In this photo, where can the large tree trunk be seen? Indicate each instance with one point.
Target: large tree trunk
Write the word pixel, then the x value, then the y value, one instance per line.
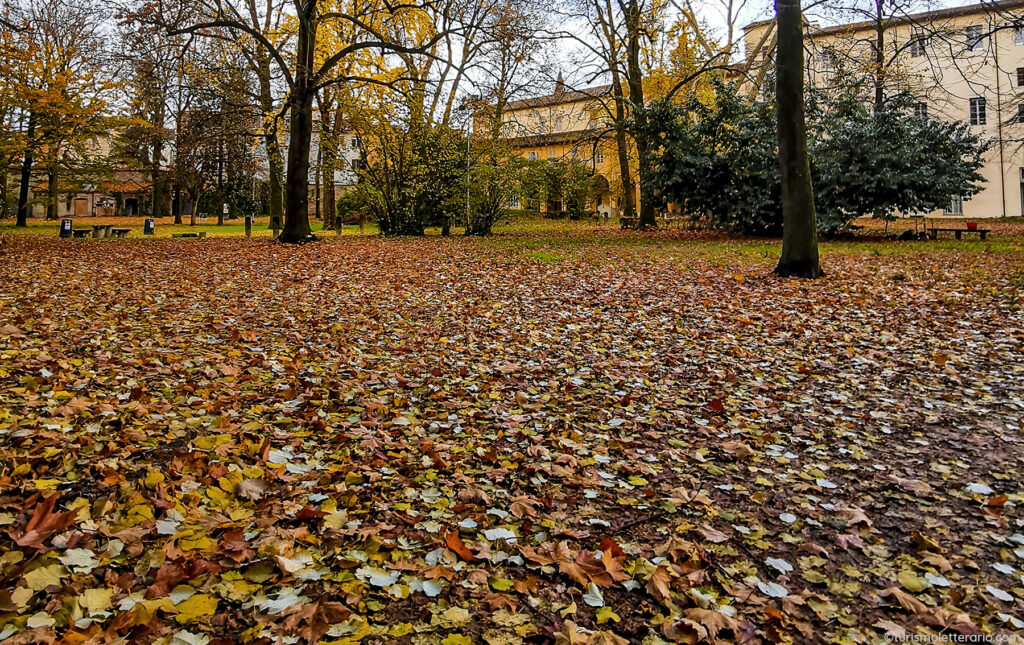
pixel 296 198
pixel 636 97
pixel 799 226
pixel 26 174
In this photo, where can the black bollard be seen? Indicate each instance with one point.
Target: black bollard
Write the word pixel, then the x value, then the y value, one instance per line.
pixel 248 225
pixel 65 227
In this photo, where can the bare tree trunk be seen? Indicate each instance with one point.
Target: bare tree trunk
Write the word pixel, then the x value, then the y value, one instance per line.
pixel 158 207
pixel 176 203
pixel 274 159
pixel 879 55
pixel 799 226
pixel 636 97
pixel 317 173
pixel 296 199
pixel 5 211
pixel 330 166
pixel 26 174
pixel 51 191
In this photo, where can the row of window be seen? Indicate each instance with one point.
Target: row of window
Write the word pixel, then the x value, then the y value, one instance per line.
pixel 975 39
pixel 977 111
pixel 598 156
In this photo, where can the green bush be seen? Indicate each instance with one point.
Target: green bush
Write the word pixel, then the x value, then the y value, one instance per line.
pixel 719 160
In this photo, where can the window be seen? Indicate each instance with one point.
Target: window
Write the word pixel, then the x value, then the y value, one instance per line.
pixel 558 124
pixel 355 165
pixel 956 206
pixel 1020 76
pixel 355 143
pixel 1022 191
pixel 551 155
pixel 533 155
pixel 599 156
pixel 513 201
pixel 1020 113
pixel 978 116
pixel 921 110
pixel 975 38
pixel 918 46
pixel 1018 35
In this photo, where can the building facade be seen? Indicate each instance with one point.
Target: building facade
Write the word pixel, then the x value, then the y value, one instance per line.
pixel 570 124
pixel 963 63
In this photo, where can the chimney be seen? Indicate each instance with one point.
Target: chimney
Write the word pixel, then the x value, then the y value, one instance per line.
pixel 559 84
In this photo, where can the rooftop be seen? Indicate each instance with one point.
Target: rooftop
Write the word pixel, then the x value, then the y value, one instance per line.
pixel 924 16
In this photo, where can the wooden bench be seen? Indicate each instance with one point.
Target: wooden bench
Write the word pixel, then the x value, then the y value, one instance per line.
pixel 120 232
pixel 934 232
pixel 200 234
pixel 80 232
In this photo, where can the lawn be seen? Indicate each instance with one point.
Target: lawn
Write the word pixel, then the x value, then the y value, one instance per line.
pixel 565 433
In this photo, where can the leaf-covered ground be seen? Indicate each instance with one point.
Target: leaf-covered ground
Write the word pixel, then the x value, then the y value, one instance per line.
pixel 574 436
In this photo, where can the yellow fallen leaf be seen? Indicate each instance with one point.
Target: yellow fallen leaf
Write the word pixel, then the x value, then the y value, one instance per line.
pixel 43 577
pixel 195 607
pixel 96 600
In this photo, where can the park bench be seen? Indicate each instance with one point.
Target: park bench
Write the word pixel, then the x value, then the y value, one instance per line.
pixel 934 232
pixel 120 232
pixel 80 232
pixel 200 234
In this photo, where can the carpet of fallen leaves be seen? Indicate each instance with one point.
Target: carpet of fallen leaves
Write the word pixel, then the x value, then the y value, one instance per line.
pixel 610 440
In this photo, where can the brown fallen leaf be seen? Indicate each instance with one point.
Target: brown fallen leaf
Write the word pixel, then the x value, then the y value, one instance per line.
pixel 606 638
pixel 455 543
pixel 713 535
pixel 43 523
pixel 714 622
pixel 251 489
pixel 312 620
pixel 658 584
pixel 906 601
pixel 891 629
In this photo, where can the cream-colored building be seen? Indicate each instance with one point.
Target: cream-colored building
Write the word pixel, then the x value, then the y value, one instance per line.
pixel 569 124
pixel 964 63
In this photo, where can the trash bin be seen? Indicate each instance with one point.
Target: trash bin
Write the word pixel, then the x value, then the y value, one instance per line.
pixel 65 227
pixel 148 227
